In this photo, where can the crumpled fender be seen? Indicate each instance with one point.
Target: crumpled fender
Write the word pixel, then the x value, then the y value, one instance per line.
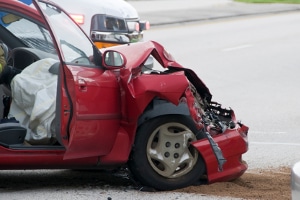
pixel 140 91
pixel 144 88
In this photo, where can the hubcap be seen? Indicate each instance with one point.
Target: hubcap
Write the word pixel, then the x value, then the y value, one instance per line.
pixel 169 151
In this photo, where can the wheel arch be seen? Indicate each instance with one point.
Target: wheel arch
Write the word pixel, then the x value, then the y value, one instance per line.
pixel 159 107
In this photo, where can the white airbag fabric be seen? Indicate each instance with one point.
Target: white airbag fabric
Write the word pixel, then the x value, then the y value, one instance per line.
pixel 34 101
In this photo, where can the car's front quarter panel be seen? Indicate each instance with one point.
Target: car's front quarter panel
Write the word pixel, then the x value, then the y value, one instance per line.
pixel 144 88
pixel 136 95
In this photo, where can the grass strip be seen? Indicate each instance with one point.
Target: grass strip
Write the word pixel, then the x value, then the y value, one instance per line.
pixel 270 1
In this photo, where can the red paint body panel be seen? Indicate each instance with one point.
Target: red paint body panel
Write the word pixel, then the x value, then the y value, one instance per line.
pixel 41 159
pixel 233 144
pixel 94 119
pixel 144 88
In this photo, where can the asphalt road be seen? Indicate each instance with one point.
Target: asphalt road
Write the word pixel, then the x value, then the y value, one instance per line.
pixel 252 65
pixel 166 12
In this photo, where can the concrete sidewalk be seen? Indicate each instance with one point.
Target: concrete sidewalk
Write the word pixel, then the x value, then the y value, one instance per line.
pixel 162 12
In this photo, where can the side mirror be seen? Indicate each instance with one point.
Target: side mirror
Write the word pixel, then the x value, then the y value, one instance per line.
pixel 113 60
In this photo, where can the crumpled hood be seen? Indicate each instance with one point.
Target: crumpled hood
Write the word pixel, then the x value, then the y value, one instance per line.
pixel 136 54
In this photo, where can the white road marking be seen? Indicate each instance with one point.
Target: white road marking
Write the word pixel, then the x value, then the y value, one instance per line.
pixel 238 47
pixel 275 143
pixel 268 132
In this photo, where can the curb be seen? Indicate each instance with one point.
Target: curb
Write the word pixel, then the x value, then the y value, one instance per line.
pixel 194 13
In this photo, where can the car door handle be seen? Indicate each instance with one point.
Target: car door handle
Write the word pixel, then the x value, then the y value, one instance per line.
pixel 82 85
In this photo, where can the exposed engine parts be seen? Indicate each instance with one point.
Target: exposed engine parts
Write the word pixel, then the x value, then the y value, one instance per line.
pixel 215 118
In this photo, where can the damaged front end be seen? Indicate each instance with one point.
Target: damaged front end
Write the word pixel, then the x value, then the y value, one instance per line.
pixel 226 138
pixel 155 94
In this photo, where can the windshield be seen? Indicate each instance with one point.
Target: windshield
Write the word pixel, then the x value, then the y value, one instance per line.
pixel 21 30
pixel 31 34
pixel 76 47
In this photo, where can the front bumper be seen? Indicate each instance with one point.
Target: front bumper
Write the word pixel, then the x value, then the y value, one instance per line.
pixel 233 143
pixel 108 39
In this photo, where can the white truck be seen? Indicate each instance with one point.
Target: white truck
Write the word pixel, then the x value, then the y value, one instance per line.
pixel 107 22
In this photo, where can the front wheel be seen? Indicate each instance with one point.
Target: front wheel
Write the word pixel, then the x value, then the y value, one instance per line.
pixel 162 156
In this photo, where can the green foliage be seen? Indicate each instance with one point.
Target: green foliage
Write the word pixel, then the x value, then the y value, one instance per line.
pixel 270 1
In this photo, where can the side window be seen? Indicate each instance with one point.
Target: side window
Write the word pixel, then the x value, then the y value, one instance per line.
pixel 106 23
pixel 76 47
pixel 31 34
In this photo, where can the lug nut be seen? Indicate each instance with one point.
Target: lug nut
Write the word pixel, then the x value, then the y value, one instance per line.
pixel 168 144
pixel 167 154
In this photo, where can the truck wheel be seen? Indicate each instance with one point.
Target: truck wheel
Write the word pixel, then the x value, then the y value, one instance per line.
pixel 162 156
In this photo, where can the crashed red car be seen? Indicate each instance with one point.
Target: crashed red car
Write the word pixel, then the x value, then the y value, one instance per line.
pixel 74 106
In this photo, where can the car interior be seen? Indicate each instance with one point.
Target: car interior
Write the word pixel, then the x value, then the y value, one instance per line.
pixel 12 134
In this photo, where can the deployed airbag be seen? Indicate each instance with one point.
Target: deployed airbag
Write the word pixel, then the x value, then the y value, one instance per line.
pixel 34 101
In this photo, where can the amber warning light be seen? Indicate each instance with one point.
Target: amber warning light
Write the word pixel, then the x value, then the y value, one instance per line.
pixel 79 19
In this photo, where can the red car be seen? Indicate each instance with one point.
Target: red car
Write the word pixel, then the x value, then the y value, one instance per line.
pixel 74 106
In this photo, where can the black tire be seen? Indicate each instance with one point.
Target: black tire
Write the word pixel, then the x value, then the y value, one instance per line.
pixel 162 156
